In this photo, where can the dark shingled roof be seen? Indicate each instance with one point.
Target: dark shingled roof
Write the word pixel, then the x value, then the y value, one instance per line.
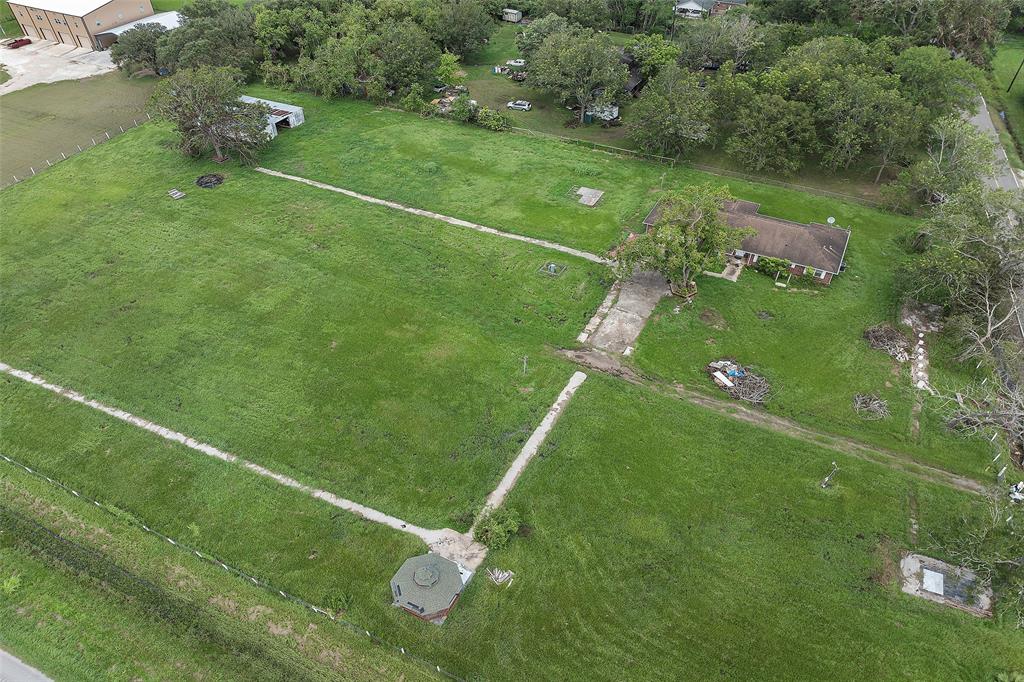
pixel 427 585
pixel 821 247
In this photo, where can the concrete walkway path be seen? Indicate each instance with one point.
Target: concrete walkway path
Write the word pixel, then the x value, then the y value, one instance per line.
pixel 13 669
pixel 532 446
pixel 594 258
pixel 626 318
pixel 451 544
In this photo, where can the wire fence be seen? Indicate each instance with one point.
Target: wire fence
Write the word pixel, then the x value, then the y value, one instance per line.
pixel 623 151
pixel 12 176
pixel 85 562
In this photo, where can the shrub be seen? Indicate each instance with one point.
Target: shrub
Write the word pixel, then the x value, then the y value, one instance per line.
pixel 9 586
pixel 416 103
pixel 772 266
pixel 493 120
pixel 496 528
pixel 463 109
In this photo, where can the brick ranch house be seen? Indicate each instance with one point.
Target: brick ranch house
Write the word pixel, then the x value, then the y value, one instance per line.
pixel 814 249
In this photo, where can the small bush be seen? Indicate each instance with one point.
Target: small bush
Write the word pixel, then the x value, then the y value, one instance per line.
pixel 493 120
pixel 496 528
pixel 772 266
pixel 9 586
pixel 463 109
pixel 416 103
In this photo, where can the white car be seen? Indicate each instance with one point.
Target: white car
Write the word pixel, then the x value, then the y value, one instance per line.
pixel 520 105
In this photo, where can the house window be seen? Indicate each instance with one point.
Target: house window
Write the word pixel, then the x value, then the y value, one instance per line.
pixel 99 23
pixel 821 275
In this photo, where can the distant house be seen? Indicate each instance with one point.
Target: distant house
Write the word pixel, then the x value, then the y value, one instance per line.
pixel 814 249
pixel 698 9
pixel 512 15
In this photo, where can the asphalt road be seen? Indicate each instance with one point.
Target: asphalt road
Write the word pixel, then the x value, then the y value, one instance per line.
pixel 1005 178
pixel 13 670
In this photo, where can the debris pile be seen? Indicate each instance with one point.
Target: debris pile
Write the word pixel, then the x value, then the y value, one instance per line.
pixel 739 382
pixel 870 406
pixel 885 337
pixel 210 180
pixel 500 577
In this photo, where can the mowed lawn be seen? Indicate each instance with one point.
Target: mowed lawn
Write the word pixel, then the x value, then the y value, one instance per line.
pixel 108 601
pixel 661 542
pixel 812 350
pixel 808 342
pixel 378 354
pixel 40 122
pixel 1005 63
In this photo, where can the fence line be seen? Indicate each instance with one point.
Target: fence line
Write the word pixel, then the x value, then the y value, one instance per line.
pixel 215 561
pixel 622 151
pixel 27 172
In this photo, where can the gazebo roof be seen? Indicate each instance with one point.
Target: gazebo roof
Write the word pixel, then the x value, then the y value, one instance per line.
pixel 427 585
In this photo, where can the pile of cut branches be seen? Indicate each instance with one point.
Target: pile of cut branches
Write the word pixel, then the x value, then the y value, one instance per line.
pixel 751 388
pixel 870 406
pixel 885 337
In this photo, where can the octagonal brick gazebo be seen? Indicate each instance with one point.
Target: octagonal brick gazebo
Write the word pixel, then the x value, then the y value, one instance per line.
pixel 427 586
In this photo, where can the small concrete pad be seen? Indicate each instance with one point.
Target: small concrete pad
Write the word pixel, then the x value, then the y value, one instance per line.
pixel 625 321
pixel 588 196
pixel 945 584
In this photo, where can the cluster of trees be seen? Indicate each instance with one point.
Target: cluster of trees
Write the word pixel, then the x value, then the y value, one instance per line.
pixel 836 101
pixel 575 63
pixel 967 28
pixel 378 48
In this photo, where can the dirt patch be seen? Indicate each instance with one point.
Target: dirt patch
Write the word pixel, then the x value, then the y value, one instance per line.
pixel 279 630
pixel 256 612
pixel 224 603
pixel 886 569
pixel 713 319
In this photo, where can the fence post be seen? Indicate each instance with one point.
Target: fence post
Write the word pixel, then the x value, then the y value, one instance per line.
pixel 48 164
pixel 107 134
pixel 32 169
pixel 16 178
pixel 64 156
pixel 149 117
pixel 134 122
pixel 93 141
pixel 79 147
pixel 122 128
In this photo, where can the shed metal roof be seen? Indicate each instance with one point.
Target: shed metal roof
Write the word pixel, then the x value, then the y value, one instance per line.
pixel 75 8
pixel 168 20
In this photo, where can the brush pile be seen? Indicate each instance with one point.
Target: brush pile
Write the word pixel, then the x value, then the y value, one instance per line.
pixel 870 406
pixel 886 338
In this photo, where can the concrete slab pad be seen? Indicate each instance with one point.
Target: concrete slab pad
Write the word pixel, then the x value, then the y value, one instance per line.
pixel 942 583
pixel 48 62
pixel 627 317
pixel 589 196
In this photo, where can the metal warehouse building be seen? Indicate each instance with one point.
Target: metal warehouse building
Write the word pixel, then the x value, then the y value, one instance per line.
pixel 78 22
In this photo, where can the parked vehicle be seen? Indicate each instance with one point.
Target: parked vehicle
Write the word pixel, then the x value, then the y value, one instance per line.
pixel 520 105
pixel 20 42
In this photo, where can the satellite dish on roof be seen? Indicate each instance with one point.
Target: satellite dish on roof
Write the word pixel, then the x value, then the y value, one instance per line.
pixel 831 220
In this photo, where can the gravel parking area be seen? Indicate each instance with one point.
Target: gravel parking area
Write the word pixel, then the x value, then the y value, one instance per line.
pixel 47 62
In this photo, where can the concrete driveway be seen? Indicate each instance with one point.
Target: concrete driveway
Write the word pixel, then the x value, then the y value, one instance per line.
pixel 47 62
pixel 1004 178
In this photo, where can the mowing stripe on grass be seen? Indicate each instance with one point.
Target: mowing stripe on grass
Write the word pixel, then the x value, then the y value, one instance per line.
pixel 529 451
pixel 428 536
pixel 438 216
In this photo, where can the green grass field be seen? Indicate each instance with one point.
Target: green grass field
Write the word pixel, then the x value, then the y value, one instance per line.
pixel 523 185
pixel 167 617
pixel 380 355
pixel 812 352
pixel 1004 65
pixel 355 346
pixel 44 120
pixel 661 543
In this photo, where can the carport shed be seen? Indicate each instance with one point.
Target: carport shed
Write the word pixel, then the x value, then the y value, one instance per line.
pixel 281 115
